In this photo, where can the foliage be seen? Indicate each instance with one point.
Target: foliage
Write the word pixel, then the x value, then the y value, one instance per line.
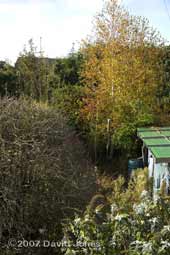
pixel 45 174
pixel 68 92
pixel 68 99
pixel 163 90
pixel 33 73
pixel 68 69
pixel 8 80
pixel 133 223
pixel 121 73
pixel 163 93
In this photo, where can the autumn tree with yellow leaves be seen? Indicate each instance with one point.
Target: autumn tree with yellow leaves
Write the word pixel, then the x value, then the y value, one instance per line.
pixel 121 74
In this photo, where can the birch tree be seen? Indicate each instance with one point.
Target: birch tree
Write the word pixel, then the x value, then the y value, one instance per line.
pixel 121 74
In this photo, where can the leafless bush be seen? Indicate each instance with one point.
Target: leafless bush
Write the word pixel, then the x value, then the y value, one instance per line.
pixel 45 175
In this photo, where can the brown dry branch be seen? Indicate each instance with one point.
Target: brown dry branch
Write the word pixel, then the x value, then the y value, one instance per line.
pixel 45 174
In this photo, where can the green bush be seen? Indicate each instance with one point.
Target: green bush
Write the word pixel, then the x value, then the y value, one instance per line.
pixel 68 99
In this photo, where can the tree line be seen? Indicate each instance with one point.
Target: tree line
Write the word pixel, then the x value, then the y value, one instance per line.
pixel 117 81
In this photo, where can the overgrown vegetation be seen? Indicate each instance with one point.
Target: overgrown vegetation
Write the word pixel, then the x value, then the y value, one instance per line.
pixel 117 81
pixel 45 173
pixel 129 221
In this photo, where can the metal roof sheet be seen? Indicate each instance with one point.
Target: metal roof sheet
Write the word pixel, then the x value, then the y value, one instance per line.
pixel 150 134
pixel 156 142
pixel 153 128
pixel 161 154
pixel 157 139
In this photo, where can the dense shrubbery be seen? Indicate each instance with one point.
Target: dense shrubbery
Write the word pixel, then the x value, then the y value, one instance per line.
pixel 68 99
pixel 119 80
pixel 130 222
pixel 45 175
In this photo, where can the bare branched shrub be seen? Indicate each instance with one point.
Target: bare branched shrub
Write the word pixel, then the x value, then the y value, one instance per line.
pixel 45 175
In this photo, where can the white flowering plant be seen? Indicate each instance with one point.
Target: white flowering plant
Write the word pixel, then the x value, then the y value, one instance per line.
pixel 135 226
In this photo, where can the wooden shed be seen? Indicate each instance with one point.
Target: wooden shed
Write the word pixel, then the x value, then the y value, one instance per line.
pixel 156 154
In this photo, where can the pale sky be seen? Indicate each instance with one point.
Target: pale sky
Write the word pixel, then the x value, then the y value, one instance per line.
pixel 62 22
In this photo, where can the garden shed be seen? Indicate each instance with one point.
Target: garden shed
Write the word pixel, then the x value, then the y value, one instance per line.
pixel 156 154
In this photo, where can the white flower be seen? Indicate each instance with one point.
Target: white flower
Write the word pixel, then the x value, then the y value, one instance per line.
pixel 140 209
pixel 144 194
pixel 166 229
pixel 87 218
pixel 156 198
pixel 165 244
pixel 153 222
pixel 147 247
pixel 113 208
pixel 119 217
pixel 143 246
pixel 77 220
pixel 138 244
pixel 113 241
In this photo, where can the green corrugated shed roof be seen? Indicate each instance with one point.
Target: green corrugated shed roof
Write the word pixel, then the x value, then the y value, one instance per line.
pixel 153 128
pixel 157 139
pixel 161 152
pixel 156 142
